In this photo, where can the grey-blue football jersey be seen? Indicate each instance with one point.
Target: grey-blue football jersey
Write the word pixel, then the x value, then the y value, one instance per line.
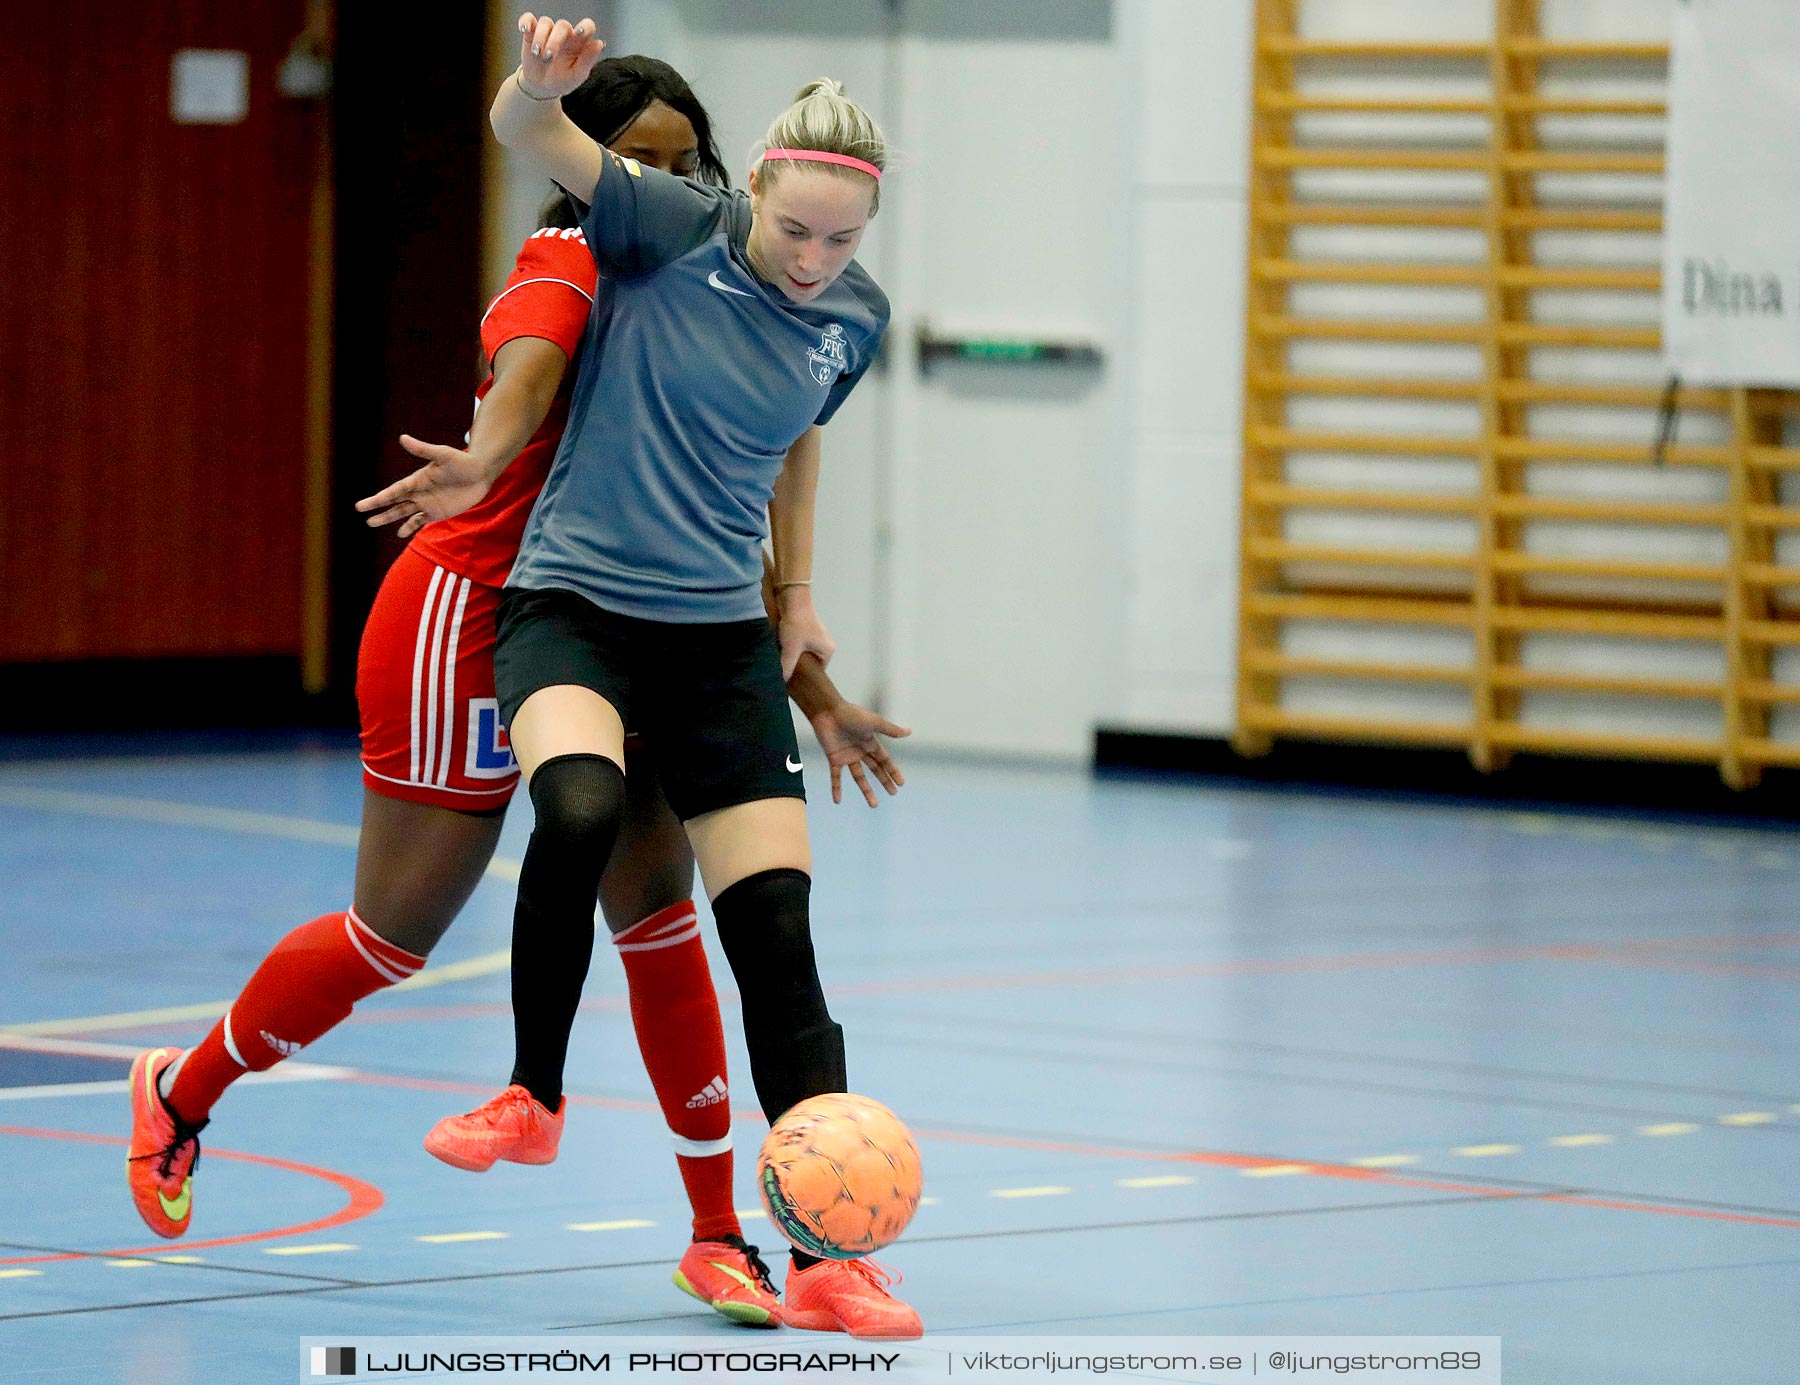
pixel 694 380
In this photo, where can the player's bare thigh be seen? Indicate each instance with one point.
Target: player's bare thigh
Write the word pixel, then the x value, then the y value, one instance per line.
pixel 732 844
pixel 565 719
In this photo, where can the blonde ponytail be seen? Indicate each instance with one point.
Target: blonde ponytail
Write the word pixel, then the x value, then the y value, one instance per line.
pixel 824 119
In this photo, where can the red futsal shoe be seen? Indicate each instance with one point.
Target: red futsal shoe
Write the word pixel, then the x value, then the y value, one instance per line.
pixel 513 1126
pixel 848 1296
pixel 164 1150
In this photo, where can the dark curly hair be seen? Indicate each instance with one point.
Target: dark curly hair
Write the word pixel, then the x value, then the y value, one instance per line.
pixel 616 93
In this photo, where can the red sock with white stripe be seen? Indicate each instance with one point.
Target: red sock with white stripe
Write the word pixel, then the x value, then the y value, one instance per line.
pixel 676 1014
pixel 305 987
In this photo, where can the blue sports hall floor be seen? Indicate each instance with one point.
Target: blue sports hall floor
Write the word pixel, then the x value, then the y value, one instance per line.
pixel 1184 1060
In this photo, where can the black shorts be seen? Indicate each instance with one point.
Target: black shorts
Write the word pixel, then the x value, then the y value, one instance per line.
pixel 707 698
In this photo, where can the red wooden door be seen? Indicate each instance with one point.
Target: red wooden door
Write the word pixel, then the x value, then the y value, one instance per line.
pixel 155 310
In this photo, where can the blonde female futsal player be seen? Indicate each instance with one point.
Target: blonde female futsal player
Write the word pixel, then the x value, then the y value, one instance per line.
pixel 728 331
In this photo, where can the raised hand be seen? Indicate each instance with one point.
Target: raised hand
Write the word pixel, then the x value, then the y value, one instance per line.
pixel 555 56
pixel 849 736
pixel 450 482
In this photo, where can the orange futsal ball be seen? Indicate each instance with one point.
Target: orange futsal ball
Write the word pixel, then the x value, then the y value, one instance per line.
pixel 840 1175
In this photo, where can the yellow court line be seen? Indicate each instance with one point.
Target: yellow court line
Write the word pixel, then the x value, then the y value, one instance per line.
pixel 181 1259
pixel 1049 1190
pixel 18 1274
pixel 1384 1161
pixel 628 1224
pixel 743 1212
pixel 1483 1151
pixel 1276 1170
pixel 128 1264
pixel 1748 1118
pixel 171 814
pixel 1577 1141
pixel 1167 1180
pixel 1668 1128
pixel 445 1238
pixel 484 965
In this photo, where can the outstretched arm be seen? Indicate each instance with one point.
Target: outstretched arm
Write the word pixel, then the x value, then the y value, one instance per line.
pixel 555 57
pixel 527 373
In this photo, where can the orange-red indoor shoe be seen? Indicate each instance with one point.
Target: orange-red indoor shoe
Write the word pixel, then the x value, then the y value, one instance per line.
pixel 513 1126
pixel 164 1150
pixel 848 1296
pixel 729 1277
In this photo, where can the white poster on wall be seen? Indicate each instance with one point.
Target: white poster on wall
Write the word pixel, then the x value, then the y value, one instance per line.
pixel 1731 244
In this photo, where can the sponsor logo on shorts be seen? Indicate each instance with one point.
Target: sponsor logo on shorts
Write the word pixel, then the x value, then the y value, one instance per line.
pixel 490 749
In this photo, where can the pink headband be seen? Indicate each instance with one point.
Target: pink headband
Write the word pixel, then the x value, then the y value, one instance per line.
pixel 819 156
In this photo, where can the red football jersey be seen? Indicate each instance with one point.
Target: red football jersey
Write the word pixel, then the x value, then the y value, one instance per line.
pixel 547 295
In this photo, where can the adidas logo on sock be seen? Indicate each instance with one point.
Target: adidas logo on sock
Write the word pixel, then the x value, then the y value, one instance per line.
pixel 709 1095
pixel 287 1048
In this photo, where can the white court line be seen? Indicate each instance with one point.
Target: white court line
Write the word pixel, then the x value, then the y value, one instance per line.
pixel 227 820
pixel 286 1072
pixel 64 1089
pixel 74 1048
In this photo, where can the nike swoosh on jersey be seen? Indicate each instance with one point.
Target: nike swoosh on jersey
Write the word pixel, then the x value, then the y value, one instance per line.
pixel 724 287
pixel 794 766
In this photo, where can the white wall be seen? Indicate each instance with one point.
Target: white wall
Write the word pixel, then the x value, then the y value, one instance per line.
pixel 1187 66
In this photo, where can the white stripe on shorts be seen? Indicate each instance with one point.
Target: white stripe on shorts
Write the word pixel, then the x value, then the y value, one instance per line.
pixel 440 617
pixel 437 576
pixel 449 722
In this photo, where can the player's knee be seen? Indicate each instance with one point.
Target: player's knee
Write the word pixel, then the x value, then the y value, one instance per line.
pixel 578 800
pixel 766 930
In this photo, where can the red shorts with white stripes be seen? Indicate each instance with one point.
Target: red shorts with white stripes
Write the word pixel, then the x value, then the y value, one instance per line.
pixel 431 729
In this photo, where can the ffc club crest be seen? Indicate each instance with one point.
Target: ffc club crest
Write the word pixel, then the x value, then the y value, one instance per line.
pixel 831 357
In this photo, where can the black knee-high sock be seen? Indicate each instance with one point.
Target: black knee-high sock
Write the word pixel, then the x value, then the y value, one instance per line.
pixel 579 799
pixel 796 1048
